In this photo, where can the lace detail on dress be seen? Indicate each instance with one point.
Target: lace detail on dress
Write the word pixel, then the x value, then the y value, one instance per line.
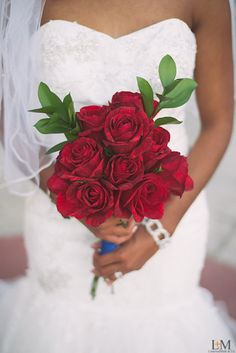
pixel 97 63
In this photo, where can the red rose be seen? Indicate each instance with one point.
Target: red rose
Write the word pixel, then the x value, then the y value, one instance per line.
pixel 81 159
pixel 56 184
pixel 158 149
pixel 175 171
pixel 90 201
pixel 161 138
pixel 123 171
pixel 128 130
pixel 129 99
pixel 91 120
pixel 145 199
pixel 188 183
pixel 92 117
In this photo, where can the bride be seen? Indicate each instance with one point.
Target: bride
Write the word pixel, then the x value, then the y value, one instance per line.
pixel 93 49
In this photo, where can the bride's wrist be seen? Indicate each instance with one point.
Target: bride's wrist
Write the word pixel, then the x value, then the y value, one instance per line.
pixel 152 244
pixel 160 231
pixel 169 223
pixel 171 218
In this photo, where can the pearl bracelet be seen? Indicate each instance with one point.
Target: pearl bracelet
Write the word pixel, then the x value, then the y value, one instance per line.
pixel 159 234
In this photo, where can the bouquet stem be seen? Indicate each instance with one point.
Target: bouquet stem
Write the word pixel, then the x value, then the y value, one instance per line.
pixel 106 247
pixel 94 287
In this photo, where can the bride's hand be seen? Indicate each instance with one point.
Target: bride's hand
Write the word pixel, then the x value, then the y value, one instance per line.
pixel 130 256
pixel 113 230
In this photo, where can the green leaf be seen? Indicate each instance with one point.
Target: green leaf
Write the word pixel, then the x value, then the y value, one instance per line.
pixel 170 87
pixel 41 124
pixel 67 100
pixel 71 113
pixel 56 148
pixel 47 110
pixel 157 170
pixel 76 130
pixel 108 152
pixel 48 126
pixel 166 120
pixel 70 136
pixel 184 85
pixel 180 94
pixel 56 117
pixel 48 98
pixel 69 105
pixel 167 70
pixel 161 97
pixel 147 95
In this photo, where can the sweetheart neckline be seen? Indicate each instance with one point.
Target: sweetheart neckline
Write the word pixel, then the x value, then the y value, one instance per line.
pixel 122 37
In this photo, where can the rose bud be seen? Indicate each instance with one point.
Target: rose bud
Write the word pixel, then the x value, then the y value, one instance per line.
pixel 128 130
pixel 175 171
pixel 81 159
pixel 91 201
pixel 124 171
pixel 146 198
pixel 91 120
pixel 129 99
pixel 158 150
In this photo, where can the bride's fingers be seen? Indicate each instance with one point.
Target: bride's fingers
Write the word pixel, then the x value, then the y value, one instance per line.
pixel 121 234
pixel 109 270
pixel 114 223
pixel 111 279
pixel 125 232
pixel 106 259
pixel 96 245
pixel 109 223
pixel 116 239
pixel 130 222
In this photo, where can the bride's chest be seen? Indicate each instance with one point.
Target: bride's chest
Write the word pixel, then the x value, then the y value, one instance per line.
pixel 92 65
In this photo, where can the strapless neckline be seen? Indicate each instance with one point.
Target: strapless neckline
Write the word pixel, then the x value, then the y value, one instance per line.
pixel 128 35
pixel 92 66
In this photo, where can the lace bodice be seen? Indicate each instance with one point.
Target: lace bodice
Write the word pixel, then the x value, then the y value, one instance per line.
pixel 93 65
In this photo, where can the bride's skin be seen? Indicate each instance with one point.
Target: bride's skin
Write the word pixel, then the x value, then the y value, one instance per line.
pixel 210 21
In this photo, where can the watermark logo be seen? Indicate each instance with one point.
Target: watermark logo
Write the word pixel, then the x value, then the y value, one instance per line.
pixel 221 346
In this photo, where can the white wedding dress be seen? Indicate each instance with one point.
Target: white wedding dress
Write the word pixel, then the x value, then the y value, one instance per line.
pixel 161 307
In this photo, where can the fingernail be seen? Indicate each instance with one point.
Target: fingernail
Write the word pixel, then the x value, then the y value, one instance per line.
pixel 95 245
pixel 134 229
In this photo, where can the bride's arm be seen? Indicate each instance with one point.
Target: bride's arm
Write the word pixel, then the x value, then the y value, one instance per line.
pixel 13 259
pixel 214 74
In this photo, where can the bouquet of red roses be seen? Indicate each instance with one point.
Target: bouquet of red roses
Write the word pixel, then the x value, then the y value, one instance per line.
pixel 116 159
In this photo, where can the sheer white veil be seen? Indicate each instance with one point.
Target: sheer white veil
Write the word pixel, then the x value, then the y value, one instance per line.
pixel 24 149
